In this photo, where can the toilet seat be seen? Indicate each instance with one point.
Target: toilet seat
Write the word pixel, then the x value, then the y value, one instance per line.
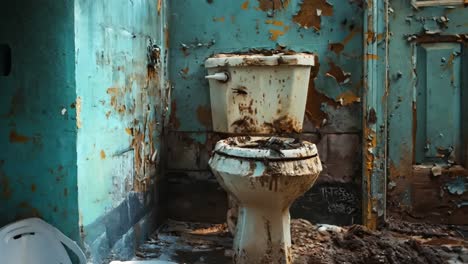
pixel 266 148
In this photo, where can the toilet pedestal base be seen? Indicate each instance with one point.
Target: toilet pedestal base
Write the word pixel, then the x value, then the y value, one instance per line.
pixel 263 235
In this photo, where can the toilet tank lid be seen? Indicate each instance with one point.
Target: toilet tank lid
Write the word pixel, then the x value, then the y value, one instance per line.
pixel 240 60
pixel 266 148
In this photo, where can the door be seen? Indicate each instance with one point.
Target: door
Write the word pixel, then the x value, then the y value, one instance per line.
pixel 428 110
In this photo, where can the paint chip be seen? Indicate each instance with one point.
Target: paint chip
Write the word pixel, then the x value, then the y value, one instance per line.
pixel 103 154
pixel 245 5
pixel 78 112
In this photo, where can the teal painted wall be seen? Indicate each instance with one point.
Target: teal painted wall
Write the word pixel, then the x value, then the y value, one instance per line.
pixel 81 115
pixel 427 110
pixel 120 90
pixel 38 171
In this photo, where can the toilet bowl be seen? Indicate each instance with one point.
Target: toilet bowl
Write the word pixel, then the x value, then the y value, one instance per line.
pixel 261 97
pixel 265 182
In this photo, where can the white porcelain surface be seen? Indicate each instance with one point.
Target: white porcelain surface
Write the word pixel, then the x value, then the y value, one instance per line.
pixel 264 189
pixel 263 94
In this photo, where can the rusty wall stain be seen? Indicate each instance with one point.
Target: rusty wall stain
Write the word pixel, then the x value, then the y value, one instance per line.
pixel 277 23
pixel 245 5
pixel 159 6
pixel 369 158
pixel 137 142
pixel 103 154
pixel 218 19
pixel 173 120
pixel 315 99
pixel 5 187
pixel 336 47
pixel 151 72
pixel 18 138
pixel 275 33
pixel 348 97
pixel 371 57
pixel 17 102
pixel 166 37
pixel 204 116
pixel 311 12
pixel 337 73
pixel 266 5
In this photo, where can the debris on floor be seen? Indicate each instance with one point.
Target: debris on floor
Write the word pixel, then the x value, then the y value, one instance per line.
pixel 185 242
pixel 398 242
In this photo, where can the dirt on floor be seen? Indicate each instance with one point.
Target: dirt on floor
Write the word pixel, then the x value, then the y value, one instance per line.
pixel 398 242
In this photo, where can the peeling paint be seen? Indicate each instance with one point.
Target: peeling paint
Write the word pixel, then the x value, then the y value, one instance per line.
pixel 245 5
pixel 309 16
pixel 275 33
pixel 103 154
pixel 348 98
pixel 268 5
pixel 338 74
pixel 218 19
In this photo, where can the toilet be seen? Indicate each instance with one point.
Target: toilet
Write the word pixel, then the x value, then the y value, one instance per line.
pixel 259 101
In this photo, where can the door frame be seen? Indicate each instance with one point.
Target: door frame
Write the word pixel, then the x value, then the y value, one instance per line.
pixel 374 113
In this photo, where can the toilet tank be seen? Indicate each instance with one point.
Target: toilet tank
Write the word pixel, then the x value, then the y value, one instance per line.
pixel 258 94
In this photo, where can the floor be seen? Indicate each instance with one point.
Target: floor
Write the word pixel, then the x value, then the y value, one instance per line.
pixel 398 242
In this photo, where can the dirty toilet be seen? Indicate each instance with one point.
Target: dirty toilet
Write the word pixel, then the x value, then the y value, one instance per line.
pixel 260 97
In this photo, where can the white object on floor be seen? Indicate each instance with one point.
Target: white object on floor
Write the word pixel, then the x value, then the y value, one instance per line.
pixel 33 241
pixel 143 262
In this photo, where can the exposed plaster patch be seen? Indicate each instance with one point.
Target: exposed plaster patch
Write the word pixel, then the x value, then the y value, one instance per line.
pixel 311 12
pixel 78 112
